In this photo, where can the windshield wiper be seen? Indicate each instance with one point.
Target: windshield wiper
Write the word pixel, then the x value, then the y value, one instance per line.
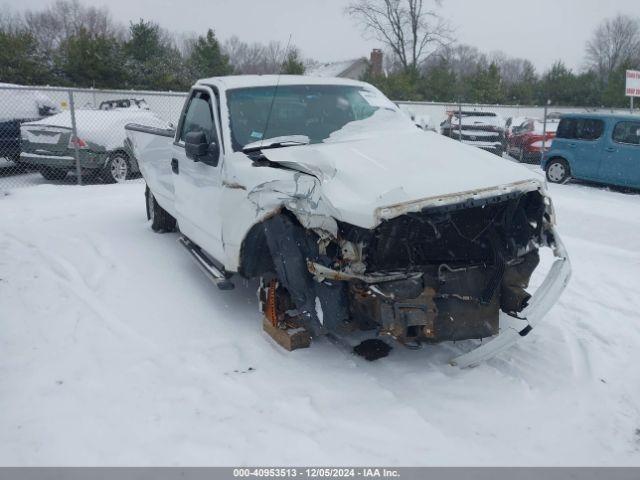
pixel 276 142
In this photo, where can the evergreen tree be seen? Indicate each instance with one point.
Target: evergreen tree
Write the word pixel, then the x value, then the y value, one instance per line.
pixel 206 58
pixel 153 61
pixel 20 59
pixel 85 60
pixel 145 41
pixel 557 85
pixel 523 92
pixel 588 90
pixel 401 85
pixel 439 83
pixel 486 85
pixel 293 64
pixel 613 93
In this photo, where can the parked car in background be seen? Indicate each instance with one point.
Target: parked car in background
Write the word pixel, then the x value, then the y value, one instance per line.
pixel 421 121
pixel 48 144
pixel 484 130
pixel 603 148
pixel 124 104
pixel 16 107
pixel 511 124
pixel 528 140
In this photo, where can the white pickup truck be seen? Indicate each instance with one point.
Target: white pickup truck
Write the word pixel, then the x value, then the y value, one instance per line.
pixel 352 217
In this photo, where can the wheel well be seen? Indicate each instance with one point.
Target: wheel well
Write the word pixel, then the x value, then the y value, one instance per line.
pixel 255 256
pixel 557 157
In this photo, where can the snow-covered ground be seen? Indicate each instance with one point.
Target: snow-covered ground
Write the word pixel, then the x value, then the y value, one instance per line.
pixel 116 350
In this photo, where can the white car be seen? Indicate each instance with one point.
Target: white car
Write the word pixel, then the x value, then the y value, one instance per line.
pixel 351 216
pixel 483 130
pixel 124 104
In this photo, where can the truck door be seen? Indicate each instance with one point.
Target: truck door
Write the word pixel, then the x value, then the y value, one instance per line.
pixel 621 164
pixel 198 184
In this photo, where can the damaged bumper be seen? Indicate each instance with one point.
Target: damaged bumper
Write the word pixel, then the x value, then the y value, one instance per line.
pixel 449 268
pixel 511 328
pixel 321 273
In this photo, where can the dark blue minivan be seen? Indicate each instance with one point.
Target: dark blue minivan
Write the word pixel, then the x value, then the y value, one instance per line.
pixel 602 148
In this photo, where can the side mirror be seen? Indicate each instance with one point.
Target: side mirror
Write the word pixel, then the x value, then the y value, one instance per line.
pixel 199 150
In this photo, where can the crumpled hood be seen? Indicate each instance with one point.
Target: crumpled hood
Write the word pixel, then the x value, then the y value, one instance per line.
pixel 360 176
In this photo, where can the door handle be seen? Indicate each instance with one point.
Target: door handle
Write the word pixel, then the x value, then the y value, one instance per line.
pixel 572 145
pixel 175 167
pixel 610 149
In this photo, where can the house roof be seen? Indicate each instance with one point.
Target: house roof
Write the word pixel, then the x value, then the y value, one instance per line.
pixel 336 69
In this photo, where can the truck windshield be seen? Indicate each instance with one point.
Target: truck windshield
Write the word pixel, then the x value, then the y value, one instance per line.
pixel 316 111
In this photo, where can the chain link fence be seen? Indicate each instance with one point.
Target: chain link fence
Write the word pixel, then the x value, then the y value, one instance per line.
pixel 75 136
pixel 68 136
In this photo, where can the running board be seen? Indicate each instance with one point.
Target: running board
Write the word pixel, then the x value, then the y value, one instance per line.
pixel 213 273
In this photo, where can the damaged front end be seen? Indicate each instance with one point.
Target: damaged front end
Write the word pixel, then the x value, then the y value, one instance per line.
pixel 446 269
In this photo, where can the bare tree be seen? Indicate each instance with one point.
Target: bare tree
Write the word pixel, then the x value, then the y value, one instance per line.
pixel 512 70
pixel 10 21
pixel 410 29
pixel 65 18
pixel 464 60
pixel 257 58
pixel 615 42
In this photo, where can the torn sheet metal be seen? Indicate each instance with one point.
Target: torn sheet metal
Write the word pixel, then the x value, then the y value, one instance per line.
pixel 513 329
pixel 320 272
pixel 302 196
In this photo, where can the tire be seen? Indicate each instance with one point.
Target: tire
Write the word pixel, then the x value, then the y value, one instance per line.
pixel 161 220
pixel 558 170
pixel 117 168
pixel 50 173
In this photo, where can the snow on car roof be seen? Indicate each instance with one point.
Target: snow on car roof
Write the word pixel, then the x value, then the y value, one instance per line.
pixel 494 120
pixel 245 81
pixel 21 103
pixel 552 125
pixel 104 127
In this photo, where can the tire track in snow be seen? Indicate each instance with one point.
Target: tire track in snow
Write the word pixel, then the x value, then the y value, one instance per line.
pixel 580 362
pixel 69 277
pixel 107 261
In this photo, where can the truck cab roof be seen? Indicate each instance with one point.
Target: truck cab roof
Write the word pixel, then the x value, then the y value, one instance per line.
pixel 247 81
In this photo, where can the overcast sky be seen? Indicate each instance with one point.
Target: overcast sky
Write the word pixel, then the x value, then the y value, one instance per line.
pixel 540 30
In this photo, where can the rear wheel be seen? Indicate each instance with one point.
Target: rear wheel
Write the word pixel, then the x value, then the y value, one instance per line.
pixel 161 220
pixel 117 169
pixel 558 170
pixel 50 173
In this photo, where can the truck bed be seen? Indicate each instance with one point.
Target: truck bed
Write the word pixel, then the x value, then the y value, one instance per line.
pixel 152 148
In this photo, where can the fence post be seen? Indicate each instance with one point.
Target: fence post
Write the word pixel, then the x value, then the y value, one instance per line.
pixel 544 132
pixel 74 137
pixel 460 122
